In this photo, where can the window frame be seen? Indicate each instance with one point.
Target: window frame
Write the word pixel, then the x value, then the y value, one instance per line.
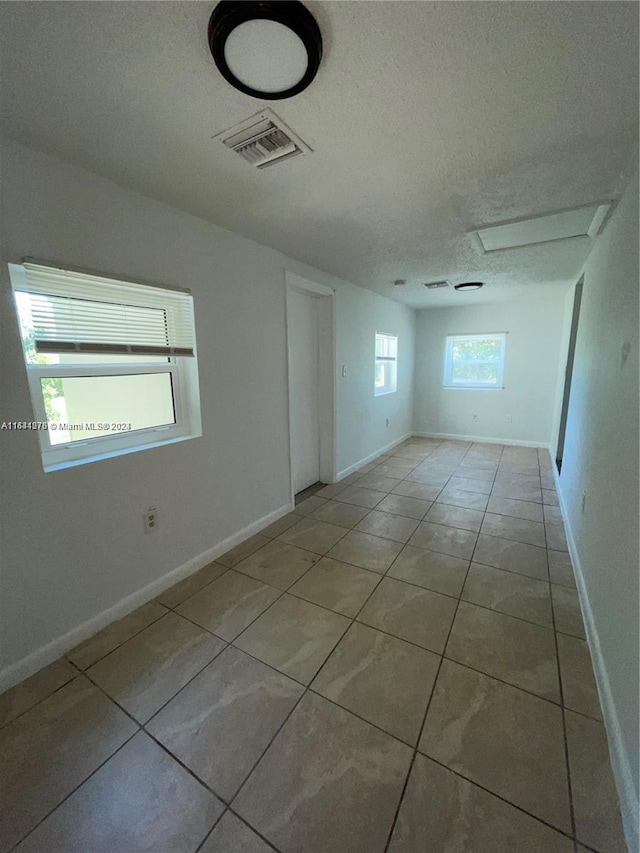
pixel 383 391
pixel 449 362
pixel 185 390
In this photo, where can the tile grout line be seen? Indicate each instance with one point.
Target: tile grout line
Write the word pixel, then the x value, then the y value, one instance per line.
pixel 562 700
pixel 143 727
pixel 437 761
pixel 93 772
pixel 244 822
pixel 426 712
pixel 71 793
pixel 43 699
pixel 306 688
pixel 137 633
pixel 209 833
pixel 563 710
pixel 408 543
pixel 561 689
pixel 417 645
pixel 500 797
pixel 562 704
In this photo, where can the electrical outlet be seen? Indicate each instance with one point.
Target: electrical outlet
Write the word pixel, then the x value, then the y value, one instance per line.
pixel 509 419
pixel 474 417
pixel 387 423
pixel 583 502
pixel 344 370
pixel 151 520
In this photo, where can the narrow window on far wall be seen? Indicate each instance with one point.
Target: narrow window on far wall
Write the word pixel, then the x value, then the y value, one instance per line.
pixel 475 361
pixel 386 366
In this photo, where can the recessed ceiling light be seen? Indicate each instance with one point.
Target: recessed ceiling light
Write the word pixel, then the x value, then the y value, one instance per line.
pixel 269 50
pixel 399 282
pixel 468 285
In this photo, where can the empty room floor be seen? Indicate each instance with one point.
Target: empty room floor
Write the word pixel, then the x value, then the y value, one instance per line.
pixel 399 665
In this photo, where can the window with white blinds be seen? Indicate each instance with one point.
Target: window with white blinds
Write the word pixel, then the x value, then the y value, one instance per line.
pixel 111 363
pixel 80 312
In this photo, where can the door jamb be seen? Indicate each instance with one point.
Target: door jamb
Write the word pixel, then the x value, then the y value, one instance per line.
pixel 568 373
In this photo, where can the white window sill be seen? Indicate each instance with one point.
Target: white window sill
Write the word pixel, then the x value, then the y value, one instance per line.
pixel 110 454
pixel 473 388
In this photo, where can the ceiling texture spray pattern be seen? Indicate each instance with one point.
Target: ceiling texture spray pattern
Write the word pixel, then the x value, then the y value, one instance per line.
pixel 426 120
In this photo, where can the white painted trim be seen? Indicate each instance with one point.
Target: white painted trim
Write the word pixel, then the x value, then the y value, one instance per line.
pixel 52 651
pixel 619 759
pixel 449 436
pixel 327 367
pixel 305 285
pixel 482 439
pixel 370 458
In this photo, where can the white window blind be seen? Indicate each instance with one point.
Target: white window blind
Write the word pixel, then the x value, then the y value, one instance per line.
pixel 81 312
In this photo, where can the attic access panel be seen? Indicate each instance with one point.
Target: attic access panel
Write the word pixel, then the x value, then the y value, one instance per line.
pixel 580 222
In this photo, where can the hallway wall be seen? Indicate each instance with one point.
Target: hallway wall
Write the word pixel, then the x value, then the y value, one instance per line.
pixel 600 463
pixel 72 542
pixel 535 329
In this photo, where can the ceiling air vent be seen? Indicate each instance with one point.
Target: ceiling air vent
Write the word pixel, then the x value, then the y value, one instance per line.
pixel 434 285
pixel 263 140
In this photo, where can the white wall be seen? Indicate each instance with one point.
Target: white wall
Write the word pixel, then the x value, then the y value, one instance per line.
pixel 535 328
pixel 72 541
pixel 601 460
pixel 364 416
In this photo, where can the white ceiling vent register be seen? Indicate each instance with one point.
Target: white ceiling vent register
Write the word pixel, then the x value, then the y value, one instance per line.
pixel 263 140
pixel 586 221
pixel 435 285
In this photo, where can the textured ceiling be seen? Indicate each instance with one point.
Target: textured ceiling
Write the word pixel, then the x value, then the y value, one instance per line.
pixel 426 119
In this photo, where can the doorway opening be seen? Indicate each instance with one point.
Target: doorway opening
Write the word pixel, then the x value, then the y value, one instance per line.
pixel 311 371
pixel 577 300
pixel 299 497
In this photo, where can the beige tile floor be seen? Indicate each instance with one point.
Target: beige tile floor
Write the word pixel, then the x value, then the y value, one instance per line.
pixel 399 665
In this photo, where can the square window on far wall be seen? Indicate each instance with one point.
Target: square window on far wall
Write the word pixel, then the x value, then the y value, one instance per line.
pixel 475 361
pixel 386 364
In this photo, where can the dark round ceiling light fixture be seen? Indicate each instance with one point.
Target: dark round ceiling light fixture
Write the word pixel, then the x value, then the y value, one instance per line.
pixel 269 50
pixel 468 285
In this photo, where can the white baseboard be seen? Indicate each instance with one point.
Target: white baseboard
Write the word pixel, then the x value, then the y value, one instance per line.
pixel 52 651
pixel 482 439
pixel 448 436
pixel 370 458
pixel 619 759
